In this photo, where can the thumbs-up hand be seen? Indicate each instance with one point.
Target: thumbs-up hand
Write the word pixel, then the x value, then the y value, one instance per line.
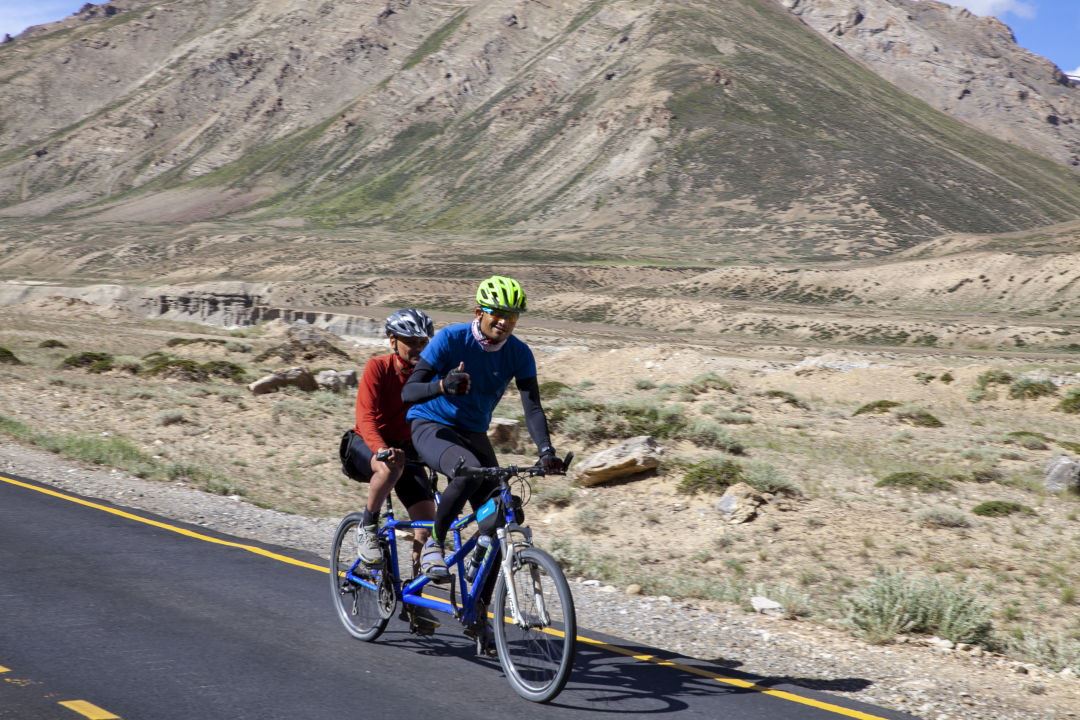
pixel 456 381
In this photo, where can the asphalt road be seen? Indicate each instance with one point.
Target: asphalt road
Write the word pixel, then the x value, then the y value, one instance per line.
pixel 105 615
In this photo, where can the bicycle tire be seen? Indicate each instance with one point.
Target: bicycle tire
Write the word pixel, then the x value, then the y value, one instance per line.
pixel 536 659
pixel 359 608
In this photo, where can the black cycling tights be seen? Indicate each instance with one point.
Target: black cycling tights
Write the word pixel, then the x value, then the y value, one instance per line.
pixel 442 448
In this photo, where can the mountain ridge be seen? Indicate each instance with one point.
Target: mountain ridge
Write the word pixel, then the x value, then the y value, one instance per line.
pixel 630 121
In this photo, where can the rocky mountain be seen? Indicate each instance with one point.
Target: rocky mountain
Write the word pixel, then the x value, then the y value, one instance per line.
pixel 629 124
pixel 960 63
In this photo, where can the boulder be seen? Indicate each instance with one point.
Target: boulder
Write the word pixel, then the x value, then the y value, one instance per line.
pixel 505 434
pixel 765 606
pixel 632 457
pixel 336 380
pixel 740 503
pixel 1062 473
pixel 299 377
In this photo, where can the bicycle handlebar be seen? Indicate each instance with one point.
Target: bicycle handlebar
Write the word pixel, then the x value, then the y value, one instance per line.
pixel 506 471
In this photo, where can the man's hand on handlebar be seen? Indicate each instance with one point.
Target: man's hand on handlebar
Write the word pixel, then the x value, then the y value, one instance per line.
pixel 552 464
pixel 394 457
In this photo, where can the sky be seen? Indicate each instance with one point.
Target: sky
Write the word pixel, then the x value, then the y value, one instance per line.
pixel 1050 28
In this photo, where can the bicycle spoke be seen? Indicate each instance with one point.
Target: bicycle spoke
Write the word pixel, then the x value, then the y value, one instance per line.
pixel 536 654
pixel 363 611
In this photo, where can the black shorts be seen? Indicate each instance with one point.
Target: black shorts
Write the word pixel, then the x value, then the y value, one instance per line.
pixel 412 487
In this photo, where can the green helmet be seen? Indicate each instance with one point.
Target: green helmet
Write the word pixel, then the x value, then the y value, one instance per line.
pixel 501 293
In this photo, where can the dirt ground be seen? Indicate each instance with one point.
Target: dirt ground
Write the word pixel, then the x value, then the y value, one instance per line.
pixel 792 411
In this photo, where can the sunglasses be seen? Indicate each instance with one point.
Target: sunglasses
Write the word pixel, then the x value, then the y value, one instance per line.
pixel 503 314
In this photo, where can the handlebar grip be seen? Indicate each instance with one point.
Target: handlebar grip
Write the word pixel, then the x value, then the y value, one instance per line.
pixel 382 455
pixel 567 460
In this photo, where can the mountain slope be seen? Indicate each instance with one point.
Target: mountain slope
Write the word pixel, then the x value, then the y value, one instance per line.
pixel 965 65
pixel 697 124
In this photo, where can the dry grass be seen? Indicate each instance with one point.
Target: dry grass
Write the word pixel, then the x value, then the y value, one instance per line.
pixel 836 529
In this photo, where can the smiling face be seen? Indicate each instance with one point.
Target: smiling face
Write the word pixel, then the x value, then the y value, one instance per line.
pixel 496 325
pixel 408 349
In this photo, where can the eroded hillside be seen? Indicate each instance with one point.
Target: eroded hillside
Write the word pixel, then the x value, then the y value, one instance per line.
pixel 725 124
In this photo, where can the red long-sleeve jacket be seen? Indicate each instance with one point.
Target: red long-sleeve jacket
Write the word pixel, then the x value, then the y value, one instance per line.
pixel 380 413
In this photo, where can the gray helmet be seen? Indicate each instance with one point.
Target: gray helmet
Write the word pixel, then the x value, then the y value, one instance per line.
pixel 409 323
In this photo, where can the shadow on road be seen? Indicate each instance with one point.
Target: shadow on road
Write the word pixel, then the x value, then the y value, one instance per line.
pixel 603 681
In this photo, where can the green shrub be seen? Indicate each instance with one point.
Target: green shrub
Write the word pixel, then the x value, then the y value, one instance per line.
pixel 709 434
pixel 787 397
pixel 237 347
pixel 171 417
pixel 590 521
pixel 226 370
pixel 895 603
pixel 644 384
pixel 706 382
pixel 170 366
pixel 51 343
pixel 710 476
pixel 1028 440
pixel 878 406
pixel 923 482
pixel 795 603
pixel 993 377
pixel 947 378
pixel 943 517
pixel 1071 402
pixel 631 418
pixel 8 358
pixel 766 478
pixel 1056 652
pixel 177 341
pixel 1028 389
pixel 986 475
pixel 95 362
pixel 925 378
pixel 918 418
pixel 16 429
pixel 1000 508
pixel 554 496
pixel 550 389
pixel 1070 446
pixel 733 418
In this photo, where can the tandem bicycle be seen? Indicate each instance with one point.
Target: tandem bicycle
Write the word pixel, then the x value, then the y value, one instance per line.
pixel 532 610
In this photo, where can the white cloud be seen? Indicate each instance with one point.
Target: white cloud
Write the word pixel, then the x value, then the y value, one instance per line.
pixel 997 8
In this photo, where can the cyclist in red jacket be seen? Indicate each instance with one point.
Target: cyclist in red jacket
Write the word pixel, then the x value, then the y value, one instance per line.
pixel 381 426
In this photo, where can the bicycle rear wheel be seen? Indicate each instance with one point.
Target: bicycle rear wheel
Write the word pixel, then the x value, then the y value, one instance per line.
pixel 537 655
pixel 362 610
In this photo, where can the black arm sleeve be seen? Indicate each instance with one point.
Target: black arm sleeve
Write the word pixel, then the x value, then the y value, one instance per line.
pixel 420 386
pixel 535 419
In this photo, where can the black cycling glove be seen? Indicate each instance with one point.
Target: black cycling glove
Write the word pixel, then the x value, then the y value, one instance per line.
pixel 456 381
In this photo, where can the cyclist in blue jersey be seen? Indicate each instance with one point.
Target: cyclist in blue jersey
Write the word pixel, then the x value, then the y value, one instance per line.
pixel 460 378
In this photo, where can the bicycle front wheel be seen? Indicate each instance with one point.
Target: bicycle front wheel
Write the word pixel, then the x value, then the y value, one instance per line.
pixel 361 609
pixel 536 653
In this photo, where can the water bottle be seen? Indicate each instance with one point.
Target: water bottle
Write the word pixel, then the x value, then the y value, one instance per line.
pixel 476 557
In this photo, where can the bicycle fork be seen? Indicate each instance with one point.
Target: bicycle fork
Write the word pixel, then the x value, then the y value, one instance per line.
pixel 511 589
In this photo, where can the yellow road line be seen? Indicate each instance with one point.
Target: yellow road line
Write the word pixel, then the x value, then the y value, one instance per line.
pixel 89 710
pixel 165 526
pixel 652 659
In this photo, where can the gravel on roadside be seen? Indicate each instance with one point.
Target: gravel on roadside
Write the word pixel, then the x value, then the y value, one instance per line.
pixel 932 682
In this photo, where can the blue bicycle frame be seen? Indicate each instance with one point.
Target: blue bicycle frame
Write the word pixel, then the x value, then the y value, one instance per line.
pixel 412 593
